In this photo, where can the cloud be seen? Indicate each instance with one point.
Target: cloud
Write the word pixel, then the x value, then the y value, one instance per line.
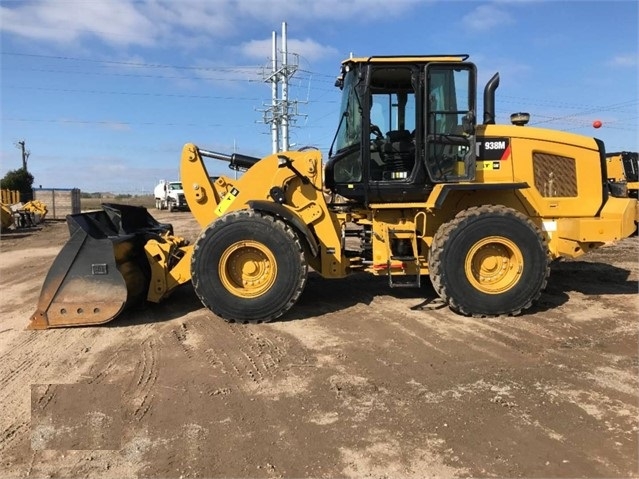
pixel 307 49
pixel 151 22
pixel 115 22
pixel 362 10
pixel 117 126
pixel 192 17
pixel 486 17
pixel 623 60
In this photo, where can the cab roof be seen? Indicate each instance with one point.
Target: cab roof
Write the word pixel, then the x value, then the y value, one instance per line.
pixel 409 59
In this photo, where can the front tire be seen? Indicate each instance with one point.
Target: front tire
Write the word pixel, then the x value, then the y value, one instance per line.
pixel 248 267
pixel 489 261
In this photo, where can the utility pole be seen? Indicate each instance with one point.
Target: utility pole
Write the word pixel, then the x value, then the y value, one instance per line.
pixel 278 114
pixel 275 132
pixel 285 76
pixel 25 154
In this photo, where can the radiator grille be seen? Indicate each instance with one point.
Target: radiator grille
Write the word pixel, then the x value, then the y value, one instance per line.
pixel 555 176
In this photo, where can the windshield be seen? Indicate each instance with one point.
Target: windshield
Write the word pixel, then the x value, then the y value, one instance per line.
pixel 350 125
pixel 175 186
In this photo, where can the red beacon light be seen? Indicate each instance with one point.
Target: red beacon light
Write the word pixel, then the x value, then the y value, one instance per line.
pixel 596 124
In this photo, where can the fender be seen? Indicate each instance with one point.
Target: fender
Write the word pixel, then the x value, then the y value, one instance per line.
pixel 441 190
pixel 287 215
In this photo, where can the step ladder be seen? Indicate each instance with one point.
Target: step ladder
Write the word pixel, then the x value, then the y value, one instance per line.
pixel 402 281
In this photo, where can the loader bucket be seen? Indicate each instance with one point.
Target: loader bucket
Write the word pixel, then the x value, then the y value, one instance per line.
pixel 101 269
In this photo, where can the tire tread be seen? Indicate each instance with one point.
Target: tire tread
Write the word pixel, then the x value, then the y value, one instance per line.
pixel 253 216
pixel 463 218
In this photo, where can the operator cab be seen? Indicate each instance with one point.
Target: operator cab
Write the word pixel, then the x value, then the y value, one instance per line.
pixel 406 123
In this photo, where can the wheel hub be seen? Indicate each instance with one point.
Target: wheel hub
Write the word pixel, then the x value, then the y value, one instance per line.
pixel 494 265
pixel 247 269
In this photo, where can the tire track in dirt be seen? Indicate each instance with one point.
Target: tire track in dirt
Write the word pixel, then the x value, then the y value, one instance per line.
pixel 34 357
pixel 140 377
pixel 106 369
pixel 55 357
pixel 13 366
pixel 44 397
pixel 562 343
pixel 248 353
pixel 438 329
pixel 11 432
pixel 146 378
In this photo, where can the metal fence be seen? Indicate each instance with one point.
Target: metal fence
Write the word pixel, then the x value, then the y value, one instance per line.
pixel 60 202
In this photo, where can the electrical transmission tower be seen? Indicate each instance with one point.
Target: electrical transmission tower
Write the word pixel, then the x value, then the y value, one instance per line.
pixel 281 112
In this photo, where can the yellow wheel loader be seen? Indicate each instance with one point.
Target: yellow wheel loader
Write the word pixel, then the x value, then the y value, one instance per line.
pixel 6 217
pixel 623 172
pixel 413 185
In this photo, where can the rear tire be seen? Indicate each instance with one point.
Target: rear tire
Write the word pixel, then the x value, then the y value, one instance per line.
pixel 489 261
pixel 248 267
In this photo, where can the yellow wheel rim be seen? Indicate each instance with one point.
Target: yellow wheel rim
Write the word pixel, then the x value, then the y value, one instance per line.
pixel 247 269
pixel 494 265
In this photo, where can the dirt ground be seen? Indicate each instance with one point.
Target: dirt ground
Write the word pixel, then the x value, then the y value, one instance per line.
pixel 357 381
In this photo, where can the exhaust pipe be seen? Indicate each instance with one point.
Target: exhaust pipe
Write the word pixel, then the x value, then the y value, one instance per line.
pixel 489 100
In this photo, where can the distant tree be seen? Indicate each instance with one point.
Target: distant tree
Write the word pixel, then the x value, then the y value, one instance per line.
pixel 20 180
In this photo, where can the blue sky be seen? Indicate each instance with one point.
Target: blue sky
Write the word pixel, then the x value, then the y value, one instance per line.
pixel 106 92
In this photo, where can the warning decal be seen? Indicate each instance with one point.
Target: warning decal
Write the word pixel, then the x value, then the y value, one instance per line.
pixel 228 199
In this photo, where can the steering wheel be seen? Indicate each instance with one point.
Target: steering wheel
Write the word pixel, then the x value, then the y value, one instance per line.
pixel 377 132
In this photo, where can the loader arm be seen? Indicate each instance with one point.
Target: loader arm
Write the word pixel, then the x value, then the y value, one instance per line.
pixel 291 182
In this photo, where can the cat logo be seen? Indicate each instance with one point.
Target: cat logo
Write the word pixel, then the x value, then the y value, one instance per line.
pixel 488 165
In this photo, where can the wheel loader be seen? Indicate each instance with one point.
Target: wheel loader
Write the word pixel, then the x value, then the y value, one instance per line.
pixel 414 185
pixel 623 172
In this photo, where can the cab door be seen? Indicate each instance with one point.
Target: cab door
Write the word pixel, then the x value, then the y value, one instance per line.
pixel 450 119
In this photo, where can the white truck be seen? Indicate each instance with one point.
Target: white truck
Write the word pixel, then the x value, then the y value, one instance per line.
pixel 169 195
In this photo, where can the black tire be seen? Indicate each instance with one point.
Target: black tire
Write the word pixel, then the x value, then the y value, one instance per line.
pixel 241 244
pixel 489 261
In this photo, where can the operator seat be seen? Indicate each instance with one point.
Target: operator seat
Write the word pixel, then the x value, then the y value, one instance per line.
pixel 399 155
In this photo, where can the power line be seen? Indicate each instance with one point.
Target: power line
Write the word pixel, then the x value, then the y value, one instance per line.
pixel 234 69
pixel 104 92
pixel 149 94
pixel 109 122
pixel 594 110
pixel 132 75
pixel 250 69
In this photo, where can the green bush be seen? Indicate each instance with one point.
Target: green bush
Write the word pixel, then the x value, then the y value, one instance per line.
pixel 20 180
